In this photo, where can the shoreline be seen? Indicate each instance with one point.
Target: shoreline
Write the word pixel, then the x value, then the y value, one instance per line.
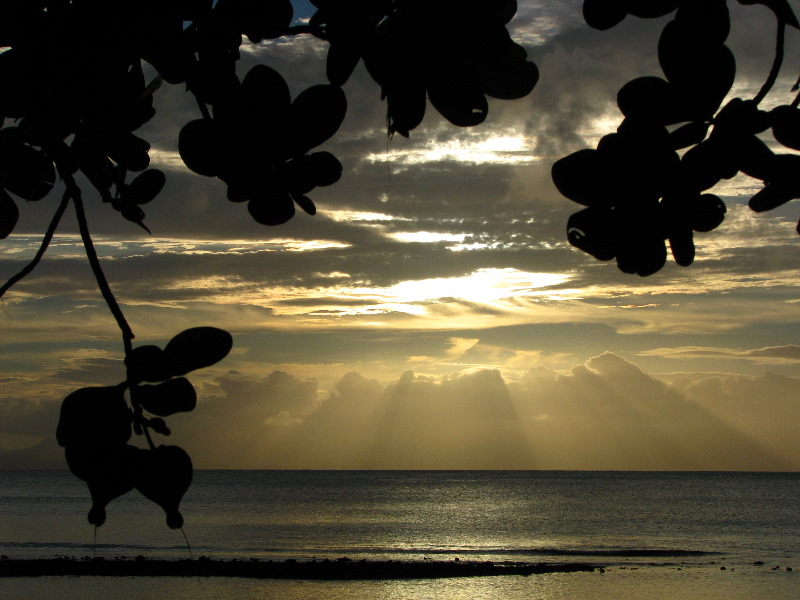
pixel 324 570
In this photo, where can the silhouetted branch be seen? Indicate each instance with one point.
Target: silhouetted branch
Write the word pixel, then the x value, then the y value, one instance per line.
pixel 48 236
pixel 74 191
pixel 776 64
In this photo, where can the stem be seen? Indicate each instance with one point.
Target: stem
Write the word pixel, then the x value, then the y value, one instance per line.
pixel 147 437
pixel 776 64
pixel 202 106
pixel 48 236
pixel 105 290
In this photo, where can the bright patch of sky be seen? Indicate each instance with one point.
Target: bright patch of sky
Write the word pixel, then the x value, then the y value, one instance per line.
pixel 501 149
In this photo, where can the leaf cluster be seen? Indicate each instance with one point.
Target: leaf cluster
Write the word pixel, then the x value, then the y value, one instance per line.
pixel 96 424
pixel 648 182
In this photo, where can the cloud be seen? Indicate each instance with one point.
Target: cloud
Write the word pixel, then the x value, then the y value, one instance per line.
pixel 605 413
pixel 787 354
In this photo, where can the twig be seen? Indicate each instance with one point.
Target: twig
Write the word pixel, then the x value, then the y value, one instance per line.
pixel 74 191
pixel 48 236
pixel 776 64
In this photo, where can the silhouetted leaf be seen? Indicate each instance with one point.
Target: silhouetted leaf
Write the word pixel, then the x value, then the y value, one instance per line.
pixel 297 175
pixel 782 183
pixel 167 398
pixel 703 23
pixel 257 19
pixel 108 472
pixel 593 231
pixel 95 417
pixel 196 348
pixel 28 173
pixel 771 196
pixel 10 140
pixel 305 203
pixel 134 214
pixel 165 475
pixel 681 244
pixel 99 170
pixel 200 147
pixel 314 116
pixel 147 363
pixel 9 214
pixel 708 211
pixel 581 177
pixel 650 98
pixel 129 151
pixel 272 207
pixel 786 126
pixel 704 165
pixel 341 62
pixel 16 77
pixel 457 94
pixel 406 106
pixel 159 425
pixel 508 75
pixel 702 74
pixel 741 118
pixel 505 11
pixel 644 258
pixel 324 168
pixel 752 157
pixel 144 187
pixel 604 14
pixel 266 100
pixel 688 135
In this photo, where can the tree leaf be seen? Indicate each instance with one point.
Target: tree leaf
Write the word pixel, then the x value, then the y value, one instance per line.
pixel 147 363
pixel 314 116
pixel 144 187
pixel 94 417
pixel 28 173
pixel 196 348
pixel 455 91
pixel 305 203
pixel 167 398
pixel 165 475
pixel 271 207
pixel 9 214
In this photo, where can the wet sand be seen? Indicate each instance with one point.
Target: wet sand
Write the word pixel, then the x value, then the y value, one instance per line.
pixel 341 569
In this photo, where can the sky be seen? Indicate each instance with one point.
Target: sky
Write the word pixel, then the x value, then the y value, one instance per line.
pixel 431 314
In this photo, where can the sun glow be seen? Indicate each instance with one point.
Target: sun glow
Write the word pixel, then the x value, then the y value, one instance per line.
pixel 502 149
pixel 484 285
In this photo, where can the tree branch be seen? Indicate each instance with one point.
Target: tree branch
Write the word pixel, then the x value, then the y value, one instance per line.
pixel 776 64
pixel 48 236
pixel 74 191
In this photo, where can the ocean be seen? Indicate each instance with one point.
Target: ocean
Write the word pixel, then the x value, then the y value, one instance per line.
pixel 657 534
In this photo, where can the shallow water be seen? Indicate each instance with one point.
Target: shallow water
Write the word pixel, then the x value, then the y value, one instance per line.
pixel 661 535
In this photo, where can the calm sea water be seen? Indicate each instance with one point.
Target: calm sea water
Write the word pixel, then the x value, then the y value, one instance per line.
pixel 661 535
